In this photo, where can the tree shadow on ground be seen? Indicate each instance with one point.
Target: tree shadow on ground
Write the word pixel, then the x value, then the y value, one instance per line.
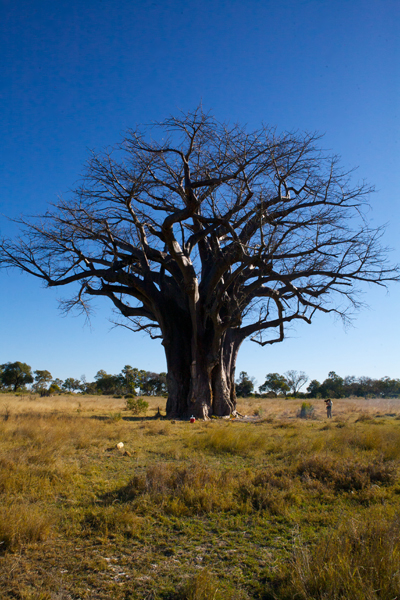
pixel 130 418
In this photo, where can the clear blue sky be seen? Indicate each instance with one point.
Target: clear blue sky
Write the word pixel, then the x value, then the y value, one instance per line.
pixel 76 74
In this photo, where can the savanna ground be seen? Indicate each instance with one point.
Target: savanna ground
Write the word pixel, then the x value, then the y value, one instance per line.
pixel 278 508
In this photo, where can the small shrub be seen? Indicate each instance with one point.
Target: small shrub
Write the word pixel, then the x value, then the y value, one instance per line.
pixel 136 405
pixel 44 393
pixel 115 416
pixel 54 389
pixel 306 411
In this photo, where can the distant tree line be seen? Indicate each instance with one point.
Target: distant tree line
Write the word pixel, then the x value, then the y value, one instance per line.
pixel 333 386
pixel 342 387
pixel 16 376
pixel 275 384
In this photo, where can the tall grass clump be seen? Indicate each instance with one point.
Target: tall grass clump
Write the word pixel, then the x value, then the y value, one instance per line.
pixel 266 491
pixel 206 586
pixel 199 489
pixel 230 439
pixel 344 474
pixel 383 441
pixel 179 491
pixel 106 520
pixel 22 524
pixel 359 561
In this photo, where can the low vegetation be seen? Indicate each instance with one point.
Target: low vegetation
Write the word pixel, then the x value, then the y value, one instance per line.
pixel 136 405
pixel 273 507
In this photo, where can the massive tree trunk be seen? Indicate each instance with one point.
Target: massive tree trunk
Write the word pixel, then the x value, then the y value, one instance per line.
pixel 200 383
pixel 223 375
pixel 177 333
pixel 178 376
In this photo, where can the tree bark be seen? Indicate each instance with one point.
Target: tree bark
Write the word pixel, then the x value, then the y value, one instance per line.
pixel 199 383
pixel 177 346
pixel 223 376
pixel 189 379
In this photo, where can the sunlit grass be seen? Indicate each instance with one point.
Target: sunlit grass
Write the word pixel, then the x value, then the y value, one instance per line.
pixel 23 523
pixel 230 438
pixel 357 561
pixel 218 509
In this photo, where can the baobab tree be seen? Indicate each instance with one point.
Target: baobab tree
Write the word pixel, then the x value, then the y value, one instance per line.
pixel 205 234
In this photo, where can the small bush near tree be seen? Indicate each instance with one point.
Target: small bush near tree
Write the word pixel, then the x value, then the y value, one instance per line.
pixel 136 405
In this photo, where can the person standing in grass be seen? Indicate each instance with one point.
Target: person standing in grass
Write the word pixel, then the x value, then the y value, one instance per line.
pixel 329 405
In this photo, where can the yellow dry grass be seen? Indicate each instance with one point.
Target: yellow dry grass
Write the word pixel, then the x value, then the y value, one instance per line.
pixel 278 408
pixel 278 487
pixel 346 408
pixel 70 403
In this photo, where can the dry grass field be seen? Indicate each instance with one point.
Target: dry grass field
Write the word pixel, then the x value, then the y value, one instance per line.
pixel 276 507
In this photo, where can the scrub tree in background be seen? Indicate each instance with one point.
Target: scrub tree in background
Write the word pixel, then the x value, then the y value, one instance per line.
pixel 16 375
pixel 204 234
pixel 43 378
pixel 244 385
pixel 274 383
pixel 71 385
pixel 295 380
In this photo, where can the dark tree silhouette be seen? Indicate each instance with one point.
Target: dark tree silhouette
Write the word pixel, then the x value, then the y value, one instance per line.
pixel 244 385
pixel 16 375
pixel 204 238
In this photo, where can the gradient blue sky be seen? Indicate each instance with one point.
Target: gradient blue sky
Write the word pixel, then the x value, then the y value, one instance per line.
pixel 75 74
